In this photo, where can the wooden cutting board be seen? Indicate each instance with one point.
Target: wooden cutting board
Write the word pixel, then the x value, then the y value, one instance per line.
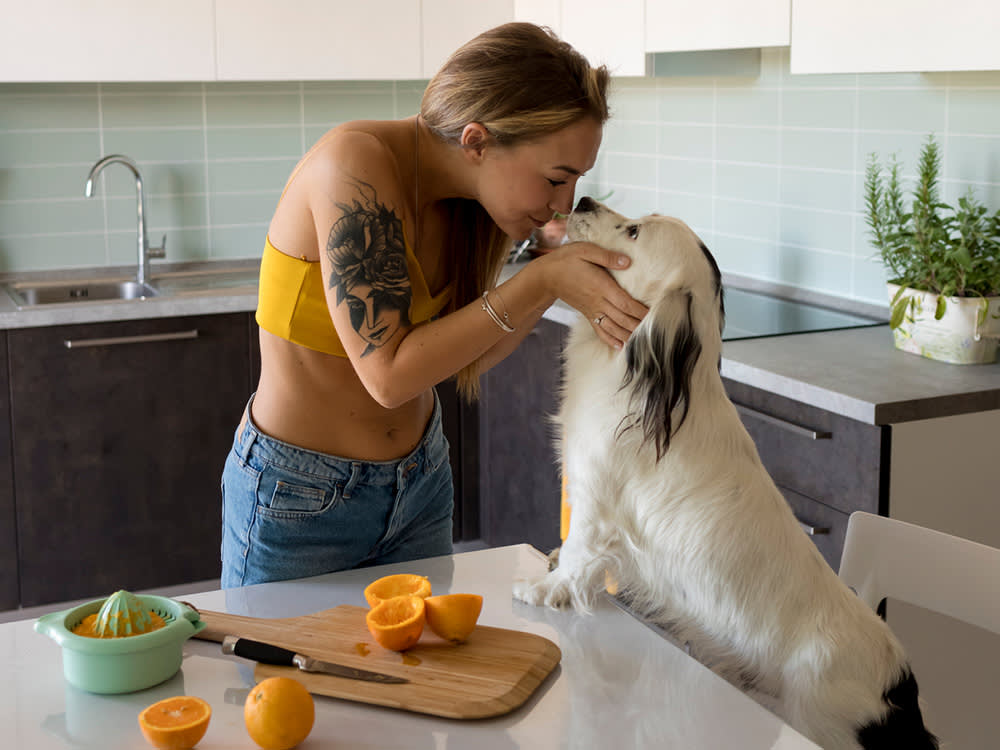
pixel 492 673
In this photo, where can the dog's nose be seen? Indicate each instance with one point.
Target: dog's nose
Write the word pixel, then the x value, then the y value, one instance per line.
pixel 585 204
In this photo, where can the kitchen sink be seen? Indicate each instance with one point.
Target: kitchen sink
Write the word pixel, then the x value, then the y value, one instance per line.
pixel 33 295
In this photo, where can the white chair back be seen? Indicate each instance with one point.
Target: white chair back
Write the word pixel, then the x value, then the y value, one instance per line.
pixel 884 557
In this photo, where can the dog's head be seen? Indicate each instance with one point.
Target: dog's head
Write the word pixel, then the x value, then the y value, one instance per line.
pixel 674 274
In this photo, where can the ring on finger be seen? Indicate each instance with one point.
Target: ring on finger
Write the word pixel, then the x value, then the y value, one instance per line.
pixel 598 320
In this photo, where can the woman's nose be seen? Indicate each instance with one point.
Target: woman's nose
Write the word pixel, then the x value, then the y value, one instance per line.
pixel 562 204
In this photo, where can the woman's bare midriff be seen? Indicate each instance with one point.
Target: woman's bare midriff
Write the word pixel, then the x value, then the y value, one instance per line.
pixel 316 401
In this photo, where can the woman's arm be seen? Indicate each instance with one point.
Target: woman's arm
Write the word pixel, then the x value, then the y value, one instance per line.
pixel 368 288
pixel 576 273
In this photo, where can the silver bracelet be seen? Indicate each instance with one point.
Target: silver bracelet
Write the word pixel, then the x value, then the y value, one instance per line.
pixel 493 314
pixel 505 316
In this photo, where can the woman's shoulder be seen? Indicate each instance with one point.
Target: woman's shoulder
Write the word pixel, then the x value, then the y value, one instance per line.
pixel 369 151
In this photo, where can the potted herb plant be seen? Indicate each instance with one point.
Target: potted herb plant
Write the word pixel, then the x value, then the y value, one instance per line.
pixel 943 262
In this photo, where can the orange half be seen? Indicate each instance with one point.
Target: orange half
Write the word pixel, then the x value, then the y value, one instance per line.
pixel 401 584
pixel 397 623
pixel 176 723
pixel 453 616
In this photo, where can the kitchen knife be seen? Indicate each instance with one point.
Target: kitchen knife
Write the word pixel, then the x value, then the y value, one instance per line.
pixel 268 653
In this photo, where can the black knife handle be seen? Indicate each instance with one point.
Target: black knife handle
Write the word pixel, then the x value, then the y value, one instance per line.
pixel 263 652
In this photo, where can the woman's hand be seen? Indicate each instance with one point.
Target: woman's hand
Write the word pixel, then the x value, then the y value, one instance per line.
pixel 578 275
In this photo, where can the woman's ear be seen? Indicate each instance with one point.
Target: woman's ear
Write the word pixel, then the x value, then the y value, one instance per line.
pixel 474 139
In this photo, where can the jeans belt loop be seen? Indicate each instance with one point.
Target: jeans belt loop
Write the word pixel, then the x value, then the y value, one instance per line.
pixel 352 482
pixel 246 439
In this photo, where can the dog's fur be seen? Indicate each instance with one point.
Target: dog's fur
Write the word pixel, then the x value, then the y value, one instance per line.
pixel 670 498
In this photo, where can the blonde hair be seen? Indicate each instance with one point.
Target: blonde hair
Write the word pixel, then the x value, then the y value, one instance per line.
pixel 520 82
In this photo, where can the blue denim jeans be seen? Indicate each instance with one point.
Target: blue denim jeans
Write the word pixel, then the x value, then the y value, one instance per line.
pixel 288 512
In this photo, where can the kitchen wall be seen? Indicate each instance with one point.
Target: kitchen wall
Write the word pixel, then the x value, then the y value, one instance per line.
pixel 766 166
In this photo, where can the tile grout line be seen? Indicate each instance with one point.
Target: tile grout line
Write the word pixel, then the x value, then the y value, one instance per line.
pixel 781 162
pixel 104 182
pixel 855 145
pixel 205 171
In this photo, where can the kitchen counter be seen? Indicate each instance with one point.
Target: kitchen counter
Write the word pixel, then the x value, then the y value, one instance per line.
pixel 619 683
pixel 856 373
pixel 202 288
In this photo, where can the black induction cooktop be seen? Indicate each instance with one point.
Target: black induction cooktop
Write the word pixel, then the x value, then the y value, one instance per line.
pixel 751 314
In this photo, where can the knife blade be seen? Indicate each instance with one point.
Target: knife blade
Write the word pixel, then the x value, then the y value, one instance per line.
pixel 268 653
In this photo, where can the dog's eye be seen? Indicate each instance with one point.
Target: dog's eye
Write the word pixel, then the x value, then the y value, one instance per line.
pixel 633 231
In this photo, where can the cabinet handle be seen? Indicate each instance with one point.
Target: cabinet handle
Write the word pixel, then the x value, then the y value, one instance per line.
pixel 783 424
pixel 142 339
pixel 812 530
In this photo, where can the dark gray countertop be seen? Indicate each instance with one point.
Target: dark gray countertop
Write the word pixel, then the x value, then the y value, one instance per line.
pixel 856 373
pixel 201 288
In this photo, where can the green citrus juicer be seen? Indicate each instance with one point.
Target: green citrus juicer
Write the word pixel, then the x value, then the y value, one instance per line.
pixel 126 663
pixel 122 614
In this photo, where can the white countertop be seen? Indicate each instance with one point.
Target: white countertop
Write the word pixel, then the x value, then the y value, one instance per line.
pixel 619 684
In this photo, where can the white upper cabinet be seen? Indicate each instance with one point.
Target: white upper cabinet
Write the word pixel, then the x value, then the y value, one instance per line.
pixel 862 36
pixel 541 12
pixel 607 32
pixel 107 40
pixel 317 39
pixel 681 26
pixel 448 24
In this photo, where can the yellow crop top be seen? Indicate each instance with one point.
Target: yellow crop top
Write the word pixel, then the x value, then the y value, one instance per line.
pixel 292 305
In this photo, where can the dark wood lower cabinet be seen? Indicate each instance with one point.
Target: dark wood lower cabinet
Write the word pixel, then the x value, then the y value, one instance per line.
pixel 120 433
pixel 826 465
pixel 519 477
pixel 113 448
pixel 9 596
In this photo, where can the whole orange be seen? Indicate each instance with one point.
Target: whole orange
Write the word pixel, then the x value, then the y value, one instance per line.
pixel 176 723
pixel 279 713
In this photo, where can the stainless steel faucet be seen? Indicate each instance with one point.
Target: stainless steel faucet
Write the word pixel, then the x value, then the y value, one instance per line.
pixel 145 251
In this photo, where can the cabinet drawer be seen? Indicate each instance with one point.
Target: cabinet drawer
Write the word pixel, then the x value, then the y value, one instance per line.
pixel 120 431
pixel 813 452
pixel 825 525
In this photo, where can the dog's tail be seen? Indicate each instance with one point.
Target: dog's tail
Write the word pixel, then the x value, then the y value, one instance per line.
pixel 903 724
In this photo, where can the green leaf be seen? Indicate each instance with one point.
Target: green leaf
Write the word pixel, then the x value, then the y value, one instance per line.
pixel 939 309
pixel 898 311
pixel 897 295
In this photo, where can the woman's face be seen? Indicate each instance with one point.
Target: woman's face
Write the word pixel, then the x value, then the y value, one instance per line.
pixel 522 186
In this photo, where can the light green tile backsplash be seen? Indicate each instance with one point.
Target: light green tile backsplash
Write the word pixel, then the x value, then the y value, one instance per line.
pixel 766 166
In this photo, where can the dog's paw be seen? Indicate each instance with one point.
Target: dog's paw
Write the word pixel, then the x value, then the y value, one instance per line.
pixel 548 591
pixel 554 558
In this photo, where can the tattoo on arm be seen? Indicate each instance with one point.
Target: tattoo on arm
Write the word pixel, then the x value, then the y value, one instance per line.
pixel 368 255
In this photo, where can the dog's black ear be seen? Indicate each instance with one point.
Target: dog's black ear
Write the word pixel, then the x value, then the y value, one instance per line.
pixel 660 357
pixel 717 280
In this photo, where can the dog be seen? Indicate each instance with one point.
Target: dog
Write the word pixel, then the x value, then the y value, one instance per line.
pixel 669 499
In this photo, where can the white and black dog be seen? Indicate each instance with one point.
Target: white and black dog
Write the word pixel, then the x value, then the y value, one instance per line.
pixel 670 498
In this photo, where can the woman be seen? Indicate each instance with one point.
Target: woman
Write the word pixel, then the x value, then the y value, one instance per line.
pixel 377 283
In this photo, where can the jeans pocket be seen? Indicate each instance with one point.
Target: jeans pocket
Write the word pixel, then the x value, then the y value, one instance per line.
pixel 288 494
pixel 296 497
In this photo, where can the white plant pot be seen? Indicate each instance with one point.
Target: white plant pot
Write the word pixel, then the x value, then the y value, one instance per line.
pixel 958 337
